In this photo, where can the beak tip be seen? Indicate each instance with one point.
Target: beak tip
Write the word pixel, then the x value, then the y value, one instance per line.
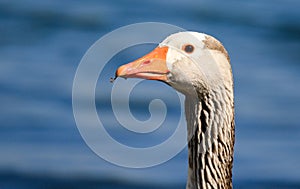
pixel 120 72
pixel 117 73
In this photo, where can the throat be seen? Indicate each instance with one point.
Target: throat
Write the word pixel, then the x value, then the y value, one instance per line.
pixel 210 124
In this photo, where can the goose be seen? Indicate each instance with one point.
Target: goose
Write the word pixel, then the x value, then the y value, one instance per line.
pixel 198 66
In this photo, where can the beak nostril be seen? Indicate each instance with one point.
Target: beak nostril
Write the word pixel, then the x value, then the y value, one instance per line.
pixel 147 62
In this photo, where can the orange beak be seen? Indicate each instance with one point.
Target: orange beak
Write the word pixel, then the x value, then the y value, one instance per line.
pixel 152 66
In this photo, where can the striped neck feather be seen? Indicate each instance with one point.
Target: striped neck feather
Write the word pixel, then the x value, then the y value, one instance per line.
pixel 210 124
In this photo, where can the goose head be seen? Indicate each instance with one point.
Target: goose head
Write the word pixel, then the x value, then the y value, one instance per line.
pixel 190 62
pixel 198 66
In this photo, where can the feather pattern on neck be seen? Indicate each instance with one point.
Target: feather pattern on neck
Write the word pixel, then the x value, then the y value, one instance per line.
pixel 210 121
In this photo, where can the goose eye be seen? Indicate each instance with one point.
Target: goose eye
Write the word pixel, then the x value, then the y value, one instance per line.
pixel 188 48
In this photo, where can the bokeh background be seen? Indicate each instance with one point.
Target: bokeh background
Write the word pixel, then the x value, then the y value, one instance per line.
pixel 42 43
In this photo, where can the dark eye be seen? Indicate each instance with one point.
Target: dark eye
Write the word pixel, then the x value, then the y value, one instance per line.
pixel 188 48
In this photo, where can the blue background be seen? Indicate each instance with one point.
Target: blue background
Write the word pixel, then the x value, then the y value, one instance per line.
pixel 42 43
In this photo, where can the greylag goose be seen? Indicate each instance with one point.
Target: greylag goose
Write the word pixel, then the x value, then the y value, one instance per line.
pixel 198 66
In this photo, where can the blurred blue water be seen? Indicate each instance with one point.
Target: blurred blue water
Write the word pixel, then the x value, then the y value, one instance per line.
pixel 42 42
